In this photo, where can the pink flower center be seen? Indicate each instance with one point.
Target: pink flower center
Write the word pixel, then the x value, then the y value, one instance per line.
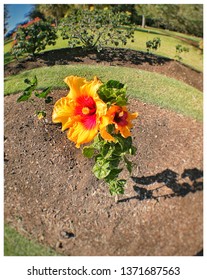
pixel 86 108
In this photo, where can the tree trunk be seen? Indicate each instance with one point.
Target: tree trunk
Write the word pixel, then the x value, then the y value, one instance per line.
pixel 56 22
pixel 143 21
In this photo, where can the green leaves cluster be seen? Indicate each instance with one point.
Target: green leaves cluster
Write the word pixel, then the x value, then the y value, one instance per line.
pixel 96 28
pixel 109 160
pixel 31 92
pixel 113 92
pixel 33 38
pixel 111 157
pixel 179 50
pixel 153 44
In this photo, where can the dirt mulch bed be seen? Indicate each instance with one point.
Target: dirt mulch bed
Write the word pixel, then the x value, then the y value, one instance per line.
pixel 111 57
pixel 52 196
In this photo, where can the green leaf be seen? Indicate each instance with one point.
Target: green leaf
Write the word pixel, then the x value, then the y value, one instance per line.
pixel 44 93
pixel 26 94
pixel 97 142
pixel 132 150
pixel 128 164
pixel 48 99
pixel 121 100
pixel 105 150
pixel 101 168
pixel 114 84
pixel 125 143
pixel 23 97
pixel 118 151
pixel 27 81
pixel 117 187
pixel 113 92
pixel 88 151
pixel 34 81
pixel 113 174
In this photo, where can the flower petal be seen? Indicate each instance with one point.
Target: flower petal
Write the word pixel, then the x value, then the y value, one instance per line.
pixel 74 83
pixel 106 136
pixel 91 88
pixel 62 112
pixel 124 130
pixel 80 135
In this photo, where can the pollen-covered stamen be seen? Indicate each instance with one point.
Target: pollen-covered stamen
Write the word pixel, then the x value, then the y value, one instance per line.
pixel 85 110
pixel 121 114
pixel 121 118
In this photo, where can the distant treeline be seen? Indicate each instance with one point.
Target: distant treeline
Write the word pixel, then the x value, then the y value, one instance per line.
pixel 185 18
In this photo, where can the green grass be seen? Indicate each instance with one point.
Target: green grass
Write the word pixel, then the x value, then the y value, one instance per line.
pixel 160 31
pixel 17 245
pixel 148 87
pixel 193 58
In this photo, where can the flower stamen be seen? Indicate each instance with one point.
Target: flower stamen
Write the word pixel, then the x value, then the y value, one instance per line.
pixel 85 110
pixel 121 114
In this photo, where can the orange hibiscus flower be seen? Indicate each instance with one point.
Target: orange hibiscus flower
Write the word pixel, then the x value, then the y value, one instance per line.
pixel 121 118
pixel 81 110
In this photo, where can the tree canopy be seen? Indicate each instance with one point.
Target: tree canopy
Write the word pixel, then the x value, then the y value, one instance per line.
pixel 186 18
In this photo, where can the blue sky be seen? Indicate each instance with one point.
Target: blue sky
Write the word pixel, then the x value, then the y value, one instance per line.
pixel 17 14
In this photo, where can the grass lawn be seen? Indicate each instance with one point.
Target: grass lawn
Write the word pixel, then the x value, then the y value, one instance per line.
pixel 146 86
pixel 193 58
pixel 160 31
pixel 17 245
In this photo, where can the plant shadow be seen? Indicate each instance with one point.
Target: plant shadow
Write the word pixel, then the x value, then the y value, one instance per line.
pixel 111 55
pixel 190 181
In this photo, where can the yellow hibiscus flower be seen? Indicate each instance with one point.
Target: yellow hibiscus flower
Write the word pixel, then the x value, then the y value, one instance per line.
pixel 81 110
pixel 121 118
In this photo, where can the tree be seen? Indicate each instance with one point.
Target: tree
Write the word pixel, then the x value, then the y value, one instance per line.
pixel 33 37
pixel 6 17
pixel 190 18
pixel 145 11
pixel 55 11
pixel 129 8
pixel 186 18
pixel 96 28
pixel 35 12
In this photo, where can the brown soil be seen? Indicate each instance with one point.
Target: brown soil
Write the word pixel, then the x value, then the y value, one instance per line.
pixel 52 196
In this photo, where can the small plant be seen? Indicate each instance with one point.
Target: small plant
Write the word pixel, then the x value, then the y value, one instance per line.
pixel 31 93
pixel 153 45
pixel 96 111
pixel 93 29
pixel 179 50
pixel 33 37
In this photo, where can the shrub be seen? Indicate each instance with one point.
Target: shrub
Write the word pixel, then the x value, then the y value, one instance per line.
pixel 179 50
pixel 96 28
pixel 33 37
pixel 153 45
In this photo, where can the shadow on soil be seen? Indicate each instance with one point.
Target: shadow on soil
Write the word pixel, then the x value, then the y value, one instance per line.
pixel 63 56
pixel 170 179
pixel 200 253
